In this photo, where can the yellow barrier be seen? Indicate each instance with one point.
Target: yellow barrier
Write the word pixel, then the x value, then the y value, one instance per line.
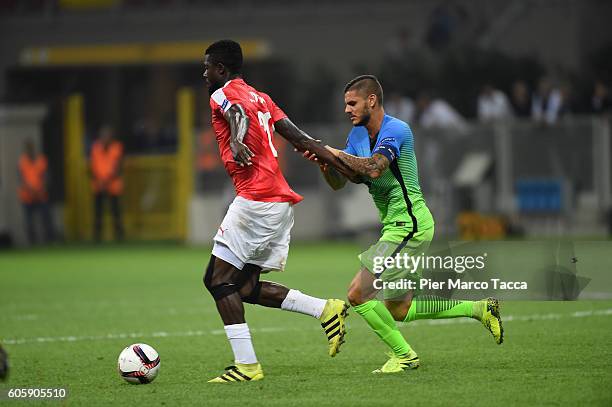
pixel 78 201
pixel 185 168
pixel 150 201
pixel 87 4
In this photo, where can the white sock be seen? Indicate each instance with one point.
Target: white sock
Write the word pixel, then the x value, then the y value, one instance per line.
pixel 239 337
pixel 304 304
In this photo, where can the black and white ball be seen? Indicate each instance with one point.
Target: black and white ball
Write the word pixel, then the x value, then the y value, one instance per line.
pixel 139 363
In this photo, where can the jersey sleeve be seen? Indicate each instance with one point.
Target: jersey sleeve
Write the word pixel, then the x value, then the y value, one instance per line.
pixel 391 140
pixel 220 100
pixel 349 149
pixel 275 111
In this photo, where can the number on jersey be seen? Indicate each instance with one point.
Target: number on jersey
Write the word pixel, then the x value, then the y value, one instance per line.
pixel 264 119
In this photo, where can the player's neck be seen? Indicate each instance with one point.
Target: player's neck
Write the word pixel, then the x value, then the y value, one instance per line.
pixel 375 122
pixel 231 77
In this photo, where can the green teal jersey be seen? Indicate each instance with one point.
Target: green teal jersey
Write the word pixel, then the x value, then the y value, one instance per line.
pixel 397 193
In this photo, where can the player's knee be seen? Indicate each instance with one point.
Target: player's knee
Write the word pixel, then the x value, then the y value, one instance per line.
pixel 354 296
pixel 355 292
pixel 361 289
pixel 218 280
pixel 208 273
pixel 222 289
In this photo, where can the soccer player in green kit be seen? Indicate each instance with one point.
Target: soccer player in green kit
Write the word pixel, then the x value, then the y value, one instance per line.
pixel 380 149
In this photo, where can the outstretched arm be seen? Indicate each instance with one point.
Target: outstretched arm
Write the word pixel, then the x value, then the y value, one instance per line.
pixel 303 142
pixel 239 124
pixel 371 167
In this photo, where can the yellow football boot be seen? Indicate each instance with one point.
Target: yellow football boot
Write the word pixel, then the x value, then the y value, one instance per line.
pixel 491 318
pixel 332 320
pixel 240 373
pixel 397 364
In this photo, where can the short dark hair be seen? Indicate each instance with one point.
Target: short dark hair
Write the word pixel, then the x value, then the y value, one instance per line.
pixel 228 53
pixel 368 84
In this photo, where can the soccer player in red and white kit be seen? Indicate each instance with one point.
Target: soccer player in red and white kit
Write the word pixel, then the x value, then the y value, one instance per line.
pixel 254 235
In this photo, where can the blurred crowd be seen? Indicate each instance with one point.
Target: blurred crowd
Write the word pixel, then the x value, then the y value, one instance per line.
pixel 546 104
pixel 446 73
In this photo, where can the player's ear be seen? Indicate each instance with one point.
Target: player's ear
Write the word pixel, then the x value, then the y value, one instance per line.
pixel 372 100
pixel 221 68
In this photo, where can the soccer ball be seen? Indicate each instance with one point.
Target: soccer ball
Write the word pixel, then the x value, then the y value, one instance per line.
pixel 138 363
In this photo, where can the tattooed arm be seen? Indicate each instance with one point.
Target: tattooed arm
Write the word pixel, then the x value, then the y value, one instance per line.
pixel 371 167
pixel 239 124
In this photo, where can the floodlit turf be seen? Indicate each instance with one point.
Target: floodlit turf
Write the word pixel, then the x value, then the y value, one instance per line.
pixel 66 314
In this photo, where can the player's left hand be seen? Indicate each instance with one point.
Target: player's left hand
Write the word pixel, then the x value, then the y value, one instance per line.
pixel 242 153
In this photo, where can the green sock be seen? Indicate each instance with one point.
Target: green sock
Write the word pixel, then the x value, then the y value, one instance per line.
pixel 381 321
pixel 433 307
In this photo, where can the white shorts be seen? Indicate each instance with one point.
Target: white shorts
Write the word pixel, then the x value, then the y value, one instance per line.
pixel 256 233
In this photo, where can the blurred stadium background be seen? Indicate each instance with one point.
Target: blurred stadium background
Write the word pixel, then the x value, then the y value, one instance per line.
pixel 509 102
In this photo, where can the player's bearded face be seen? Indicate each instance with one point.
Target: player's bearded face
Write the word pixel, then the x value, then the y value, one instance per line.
pixel 365 116
pixel 213 86
pixel 356 108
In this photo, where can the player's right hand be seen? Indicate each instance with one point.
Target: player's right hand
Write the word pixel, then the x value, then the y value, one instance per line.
pixel 242 154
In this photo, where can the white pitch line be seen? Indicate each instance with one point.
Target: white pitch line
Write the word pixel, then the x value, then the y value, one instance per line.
pixel 162 334
pixel 24 317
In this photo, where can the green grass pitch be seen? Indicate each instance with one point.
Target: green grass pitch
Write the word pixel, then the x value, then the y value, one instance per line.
pixel 66 313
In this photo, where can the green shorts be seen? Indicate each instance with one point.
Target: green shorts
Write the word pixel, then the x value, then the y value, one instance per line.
pixel 394 263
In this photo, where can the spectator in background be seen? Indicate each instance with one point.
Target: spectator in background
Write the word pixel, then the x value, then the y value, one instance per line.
pixel 106 181
pixel 493 105
pixel 33 192
pixel 546 103
pixel 437 113
pixel 601 101
pixel 400 107
pixel 520 99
